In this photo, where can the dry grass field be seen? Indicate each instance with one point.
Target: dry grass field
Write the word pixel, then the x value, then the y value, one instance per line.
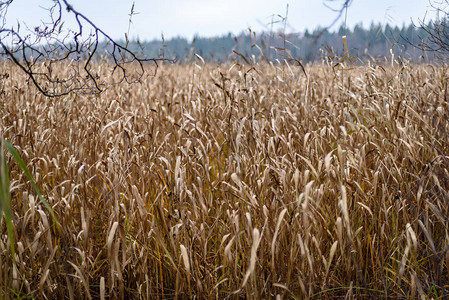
pixel 232 181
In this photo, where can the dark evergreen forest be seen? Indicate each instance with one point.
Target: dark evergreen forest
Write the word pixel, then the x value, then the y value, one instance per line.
pixel 375 43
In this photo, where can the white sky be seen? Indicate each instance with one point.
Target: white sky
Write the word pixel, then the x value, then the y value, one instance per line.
pixel 217 17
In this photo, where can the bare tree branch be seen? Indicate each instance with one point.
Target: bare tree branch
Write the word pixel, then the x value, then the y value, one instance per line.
pixel 434 36
pixel 344 4
pixel 341 7
pixel 42 48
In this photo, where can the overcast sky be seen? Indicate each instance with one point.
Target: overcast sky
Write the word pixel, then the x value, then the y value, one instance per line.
pixel 217 17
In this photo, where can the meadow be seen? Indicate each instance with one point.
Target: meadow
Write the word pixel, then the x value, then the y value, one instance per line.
pixel 232 181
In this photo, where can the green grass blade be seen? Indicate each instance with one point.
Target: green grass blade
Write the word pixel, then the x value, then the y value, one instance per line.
pixel 27 173
pixel 5 199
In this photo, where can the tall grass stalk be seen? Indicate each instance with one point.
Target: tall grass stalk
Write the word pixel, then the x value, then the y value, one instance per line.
pixel 223 181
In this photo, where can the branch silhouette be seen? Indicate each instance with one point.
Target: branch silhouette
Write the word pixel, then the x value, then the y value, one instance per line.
pixel 38 51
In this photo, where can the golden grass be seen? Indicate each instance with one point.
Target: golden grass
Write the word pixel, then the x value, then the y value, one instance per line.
pixel 226 181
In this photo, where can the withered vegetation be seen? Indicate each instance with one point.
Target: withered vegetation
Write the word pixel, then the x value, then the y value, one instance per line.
pixel 232 181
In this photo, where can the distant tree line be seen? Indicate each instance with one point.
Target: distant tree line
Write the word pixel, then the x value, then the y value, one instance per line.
pixel 374 43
